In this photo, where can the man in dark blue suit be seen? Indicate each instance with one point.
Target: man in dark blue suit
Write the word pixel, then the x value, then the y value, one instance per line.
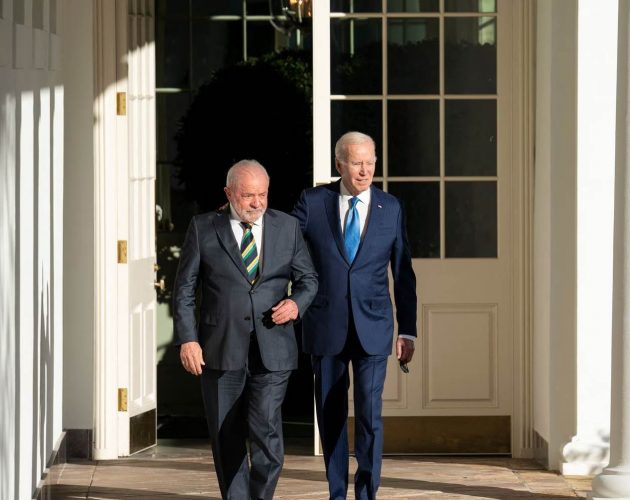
pixel 354 232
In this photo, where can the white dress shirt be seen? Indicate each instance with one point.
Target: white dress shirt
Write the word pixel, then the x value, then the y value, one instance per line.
pixel 363 207
pixel 257 231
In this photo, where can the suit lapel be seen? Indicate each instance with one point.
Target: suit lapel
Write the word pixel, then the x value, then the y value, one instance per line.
pixel 270 231
pixel 374 217
pixel 228 242
pixel 332 210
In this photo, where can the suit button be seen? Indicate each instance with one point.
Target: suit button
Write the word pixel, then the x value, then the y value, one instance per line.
pixel 247 318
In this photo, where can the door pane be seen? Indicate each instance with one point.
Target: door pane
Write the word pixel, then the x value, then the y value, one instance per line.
pixel 471 137
pixel 257 7
pixel 470 5
pixel 470 55
pixel 355 6
pixel 226 40
pixel 170 110
pixel 413 56
pixel 413 5
pixel 262 39
pixel 421 201
pixel 170 9
pixel 362 116
pixel 355 56
pixel 413 137
pixel 171 45
pixel 201 8
pixel 471 219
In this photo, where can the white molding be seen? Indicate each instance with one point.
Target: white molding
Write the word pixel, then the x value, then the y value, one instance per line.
pixel 430 312
pixel 6 43
pixel 23 47
pixel 523 135
pixel 105 445
pixel 321 94
pixel 54 61
pixel 124 60
pixel 321 117
pixel 41 49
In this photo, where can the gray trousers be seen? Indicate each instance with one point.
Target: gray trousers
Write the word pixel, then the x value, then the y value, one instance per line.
pixel 245 405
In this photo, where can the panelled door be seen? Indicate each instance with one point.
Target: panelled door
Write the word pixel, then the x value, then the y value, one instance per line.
pixel 137 345
pixel 430 81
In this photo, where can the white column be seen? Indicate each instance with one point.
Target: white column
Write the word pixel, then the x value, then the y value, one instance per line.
pixel 587 452
pixel 614 481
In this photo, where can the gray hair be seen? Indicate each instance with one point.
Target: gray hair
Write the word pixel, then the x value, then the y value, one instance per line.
pixel 238 168
pixel 341 148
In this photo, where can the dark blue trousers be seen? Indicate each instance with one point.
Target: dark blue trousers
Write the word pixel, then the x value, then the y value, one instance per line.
pixel 331 399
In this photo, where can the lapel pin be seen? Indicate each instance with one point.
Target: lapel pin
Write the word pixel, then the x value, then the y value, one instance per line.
pixel 379 206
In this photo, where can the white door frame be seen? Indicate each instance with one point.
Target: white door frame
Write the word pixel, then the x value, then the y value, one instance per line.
pixel 111 225
pixel 523 135
pixel 106 283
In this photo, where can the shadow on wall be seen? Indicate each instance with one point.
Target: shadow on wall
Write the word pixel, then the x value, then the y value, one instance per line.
pixel 259 109
pixel 9 360
pixel 595 455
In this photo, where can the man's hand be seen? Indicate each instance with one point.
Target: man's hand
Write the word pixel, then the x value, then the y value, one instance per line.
pixel 191 356
pixel 283 311
pixel 404 350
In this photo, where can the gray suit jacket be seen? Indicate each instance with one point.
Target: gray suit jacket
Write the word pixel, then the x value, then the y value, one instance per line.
pixel 230 307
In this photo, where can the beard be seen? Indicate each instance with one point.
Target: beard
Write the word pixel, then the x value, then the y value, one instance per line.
pixel 251 215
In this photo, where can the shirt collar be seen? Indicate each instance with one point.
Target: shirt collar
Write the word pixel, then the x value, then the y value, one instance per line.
pixel 234 217
pixel 364 196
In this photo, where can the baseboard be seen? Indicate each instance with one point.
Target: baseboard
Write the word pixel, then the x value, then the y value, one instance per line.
pixel 449 435
pixel 58 456
pixel 79 444
pixel 71 444
pixel 541 450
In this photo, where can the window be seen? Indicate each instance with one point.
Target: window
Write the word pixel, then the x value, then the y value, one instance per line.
pixel 194 39
pixel 420 77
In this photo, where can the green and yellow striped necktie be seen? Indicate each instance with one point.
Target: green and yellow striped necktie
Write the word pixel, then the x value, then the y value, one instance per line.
pixel 249 252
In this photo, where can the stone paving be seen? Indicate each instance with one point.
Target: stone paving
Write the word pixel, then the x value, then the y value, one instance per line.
pixel 183 470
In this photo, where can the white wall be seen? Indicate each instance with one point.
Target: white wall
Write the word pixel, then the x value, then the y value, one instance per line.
pixel 555 225
pixel 78 72
pixel 31 232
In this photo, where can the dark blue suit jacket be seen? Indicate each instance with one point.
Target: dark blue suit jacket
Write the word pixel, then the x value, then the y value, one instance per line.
pixel 365 282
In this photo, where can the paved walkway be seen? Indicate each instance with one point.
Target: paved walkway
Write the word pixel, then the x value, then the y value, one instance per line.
pixel 183 470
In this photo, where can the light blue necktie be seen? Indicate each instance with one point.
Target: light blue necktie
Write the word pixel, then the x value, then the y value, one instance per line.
pixel 352 234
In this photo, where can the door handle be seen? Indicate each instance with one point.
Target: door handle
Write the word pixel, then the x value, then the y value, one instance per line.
pixel 160 285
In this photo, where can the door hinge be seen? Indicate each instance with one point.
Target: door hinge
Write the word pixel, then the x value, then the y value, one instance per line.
pixel 121 103
pixel 122 251
pixel 122 399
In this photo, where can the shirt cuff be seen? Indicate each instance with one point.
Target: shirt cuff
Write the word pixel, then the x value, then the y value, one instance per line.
pixel 408 337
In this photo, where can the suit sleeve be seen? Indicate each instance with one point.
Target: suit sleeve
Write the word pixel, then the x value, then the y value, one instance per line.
pixel 303 274
pixel 185 326
pixel 300 211
pixel 404 280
